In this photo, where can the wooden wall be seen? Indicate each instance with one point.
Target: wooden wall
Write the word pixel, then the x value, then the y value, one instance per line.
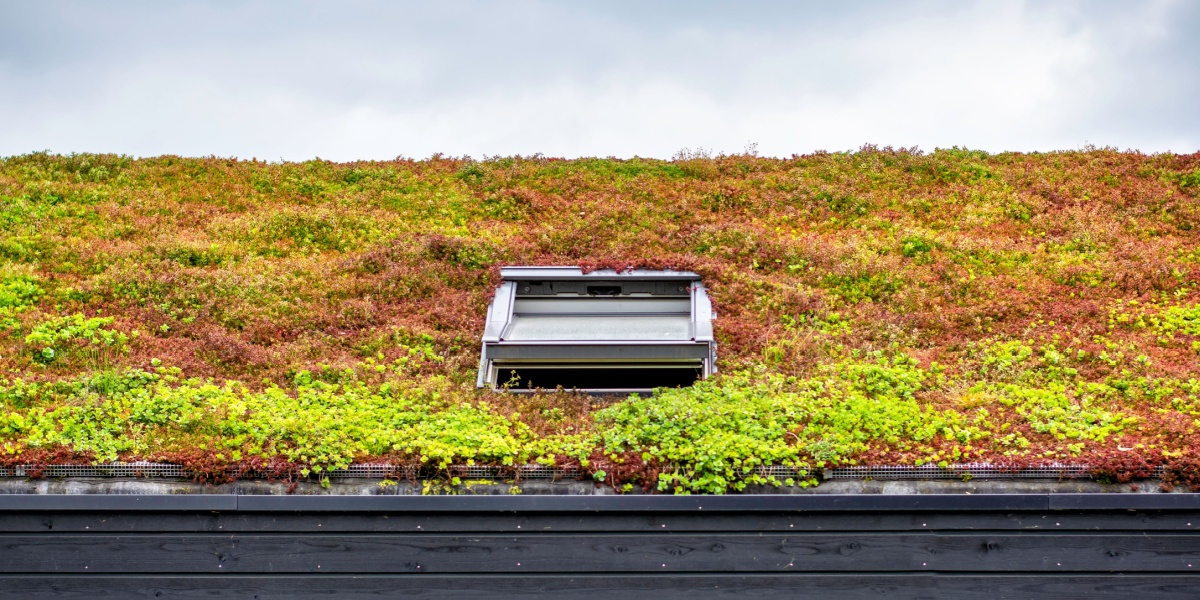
pixel 1027 546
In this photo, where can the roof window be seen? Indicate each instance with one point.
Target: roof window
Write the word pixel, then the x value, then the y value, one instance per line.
pixel 603 331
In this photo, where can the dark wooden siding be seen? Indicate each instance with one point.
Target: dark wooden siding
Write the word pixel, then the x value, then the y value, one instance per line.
pixel 1029 546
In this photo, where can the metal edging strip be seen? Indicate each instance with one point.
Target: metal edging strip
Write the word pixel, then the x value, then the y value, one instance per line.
pixel 1182 501
pixel 118 502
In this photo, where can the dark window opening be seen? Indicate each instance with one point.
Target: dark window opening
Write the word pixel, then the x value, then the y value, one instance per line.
pixel 604 290
pixel 616 378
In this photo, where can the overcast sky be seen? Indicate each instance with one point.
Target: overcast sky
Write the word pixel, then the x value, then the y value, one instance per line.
pixel 348 80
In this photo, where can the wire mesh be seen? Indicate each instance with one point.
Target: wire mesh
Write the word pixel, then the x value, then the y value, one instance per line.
pixel 968 470
pixel 118 469
pixel 541 472
pixel 374 471
pixel 784 472
pixel 474 471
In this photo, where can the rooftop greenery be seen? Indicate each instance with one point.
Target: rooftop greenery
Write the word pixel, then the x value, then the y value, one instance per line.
pixel 875 307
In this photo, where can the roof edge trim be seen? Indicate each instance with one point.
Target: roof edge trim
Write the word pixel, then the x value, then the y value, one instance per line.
pixel 576 274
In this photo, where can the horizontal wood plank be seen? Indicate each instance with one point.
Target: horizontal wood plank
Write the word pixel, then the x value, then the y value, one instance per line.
pixel 598 552
pixel 973 586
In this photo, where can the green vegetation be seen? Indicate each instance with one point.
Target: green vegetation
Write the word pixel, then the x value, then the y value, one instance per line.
pixel 876 307
pixel 50 340
pixel 17 293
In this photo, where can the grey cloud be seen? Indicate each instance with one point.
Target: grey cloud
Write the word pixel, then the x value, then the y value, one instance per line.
pixel 367 79
pixel 1145 83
